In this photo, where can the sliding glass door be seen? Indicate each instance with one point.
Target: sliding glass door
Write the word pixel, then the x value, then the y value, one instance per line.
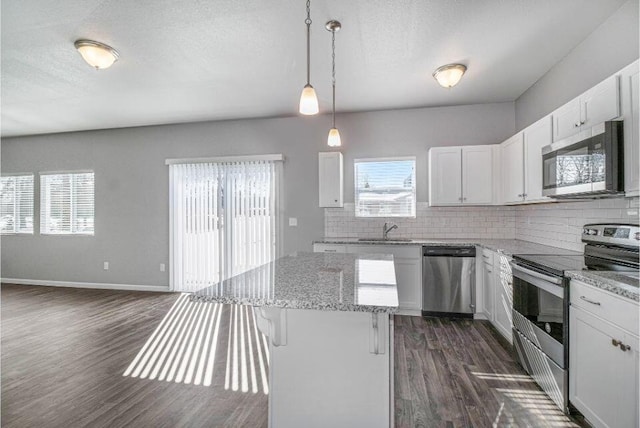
pixel 224 220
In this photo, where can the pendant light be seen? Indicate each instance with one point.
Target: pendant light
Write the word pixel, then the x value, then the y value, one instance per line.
pixel 334 136
pixel 308 99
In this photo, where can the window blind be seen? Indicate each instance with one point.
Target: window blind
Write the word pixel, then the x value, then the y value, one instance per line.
pixel 16 204
pixel 385 187
pixel 67 204
pixel 223 220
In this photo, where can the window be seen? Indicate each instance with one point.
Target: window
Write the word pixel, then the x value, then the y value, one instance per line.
pixel 224 219
pixel 385 187
pixel 16 204
pixel 67 203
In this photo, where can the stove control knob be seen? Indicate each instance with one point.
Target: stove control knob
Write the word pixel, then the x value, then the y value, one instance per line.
pixel 637 236
pixel 589 232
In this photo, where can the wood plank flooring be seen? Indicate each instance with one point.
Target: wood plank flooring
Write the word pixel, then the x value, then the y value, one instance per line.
pixel 64 353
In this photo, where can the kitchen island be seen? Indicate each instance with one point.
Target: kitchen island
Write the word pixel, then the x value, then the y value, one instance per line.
pixel 330 329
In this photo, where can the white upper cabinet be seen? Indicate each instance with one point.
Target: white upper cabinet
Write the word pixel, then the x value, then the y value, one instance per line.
pixel 445 176
pixel 629 86
pixel 461 175
pixel 331 179
pixel 477 175
pixel 512 163
pixel 597 105
pixel 536 137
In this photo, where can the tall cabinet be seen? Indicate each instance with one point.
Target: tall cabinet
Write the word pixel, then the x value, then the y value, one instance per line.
pixel 330 179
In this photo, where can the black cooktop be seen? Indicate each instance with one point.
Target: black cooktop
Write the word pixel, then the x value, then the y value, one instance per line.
pixel 552 264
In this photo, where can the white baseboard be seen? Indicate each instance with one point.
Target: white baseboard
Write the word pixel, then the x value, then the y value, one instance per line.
pixel 99 285
pixel 409 312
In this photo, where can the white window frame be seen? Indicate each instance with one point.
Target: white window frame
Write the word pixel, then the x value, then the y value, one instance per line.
pixel 385 159
pixel 15 208
pixel 43 208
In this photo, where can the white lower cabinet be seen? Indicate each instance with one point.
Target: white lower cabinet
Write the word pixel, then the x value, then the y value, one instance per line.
pixel 408 264
pixel 603 358
pixel 496 289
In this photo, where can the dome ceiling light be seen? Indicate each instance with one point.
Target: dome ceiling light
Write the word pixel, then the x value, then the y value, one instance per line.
pixel 449 75
pixel 96 54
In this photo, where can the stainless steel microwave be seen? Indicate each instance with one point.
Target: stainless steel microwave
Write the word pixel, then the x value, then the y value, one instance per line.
pixel 589 164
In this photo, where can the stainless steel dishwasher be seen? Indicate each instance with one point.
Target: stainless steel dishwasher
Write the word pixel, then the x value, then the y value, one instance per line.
pixel 448 281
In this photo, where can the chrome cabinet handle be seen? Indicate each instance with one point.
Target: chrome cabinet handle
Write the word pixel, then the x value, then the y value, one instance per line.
pixel 330 251
pixel 582 122
pixel 460 199
pixel 464 199
pixel 589 301
pixel 624 347
pixel 376 345
pixel 485 256
pixel 575 125
pixel 615 342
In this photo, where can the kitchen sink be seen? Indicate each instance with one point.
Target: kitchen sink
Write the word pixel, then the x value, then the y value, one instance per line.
pixel 385 240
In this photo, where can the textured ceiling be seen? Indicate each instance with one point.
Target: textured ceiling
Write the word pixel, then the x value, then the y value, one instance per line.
pixel 196 60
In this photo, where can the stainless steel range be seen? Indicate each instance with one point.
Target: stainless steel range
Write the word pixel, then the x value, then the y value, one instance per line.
pixel 541 301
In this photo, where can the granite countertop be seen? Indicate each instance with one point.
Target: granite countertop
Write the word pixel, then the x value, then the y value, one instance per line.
pixel 322 281
pixel 504 246
pixel 621 283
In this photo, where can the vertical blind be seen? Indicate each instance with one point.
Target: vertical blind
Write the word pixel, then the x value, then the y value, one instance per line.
pixel 16 204
pixel 67 204
pixel 224 219
pixel 385 187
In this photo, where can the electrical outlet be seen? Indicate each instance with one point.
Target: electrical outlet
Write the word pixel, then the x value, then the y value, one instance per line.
pixel 293 221
pixel 161 267
pixel 106 266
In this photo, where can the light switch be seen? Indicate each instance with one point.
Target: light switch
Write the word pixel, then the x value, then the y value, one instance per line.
pixel 293 221
pixel 161 267
pixel 106 266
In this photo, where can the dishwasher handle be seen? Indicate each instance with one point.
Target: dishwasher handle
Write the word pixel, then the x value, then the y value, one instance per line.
pixel 448 251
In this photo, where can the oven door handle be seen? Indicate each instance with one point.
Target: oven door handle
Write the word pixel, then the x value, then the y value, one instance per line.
pixel 538 275
pixel 550 284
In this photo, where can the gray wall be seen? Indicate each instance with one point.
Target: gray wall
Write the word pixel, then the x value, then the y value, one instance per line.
pixel 612 46
pixel 132 181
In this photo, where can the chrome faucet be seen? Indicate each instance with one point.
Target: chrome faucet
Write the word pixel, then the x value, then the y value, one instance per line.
pixel 386 230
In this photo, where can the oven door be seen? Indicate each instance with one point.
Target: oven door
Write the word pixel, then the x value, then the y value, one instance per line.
pixel 540 312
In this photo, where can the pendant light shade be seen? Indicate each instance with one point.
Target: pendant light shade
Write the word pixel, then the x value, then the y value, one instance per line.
pixel 334 138
pixel 308 98
pixel 96 54
pixel 308 101
pixel 449 75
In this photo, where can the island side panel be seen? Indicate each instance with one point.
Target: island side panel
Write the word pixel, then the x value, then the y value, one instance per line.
pixel 327 373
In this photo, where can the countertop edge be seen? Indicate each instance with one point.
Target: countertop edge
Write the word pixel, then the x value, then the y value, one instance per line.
pixel 607 284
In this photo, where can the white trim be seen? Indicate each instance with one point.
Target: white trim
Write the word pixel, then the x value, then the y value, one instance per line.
pixel 220 159
pixel 98 285
pixel 387 159
pixel 75 171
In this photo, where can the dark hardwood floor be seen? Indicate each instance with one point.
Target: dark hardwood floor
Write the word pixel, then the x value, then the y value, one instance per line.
pixel 99 358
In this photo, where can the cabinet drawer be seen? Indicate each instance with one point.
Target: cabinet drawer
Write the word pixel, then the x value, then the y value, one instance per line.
pixel 605 305
pixel 329 248
pixel 486 255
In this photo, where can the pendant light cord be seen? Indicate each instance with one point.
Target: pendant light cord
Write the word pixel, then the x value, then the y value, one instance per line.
pixel 308 22
pixel 333 73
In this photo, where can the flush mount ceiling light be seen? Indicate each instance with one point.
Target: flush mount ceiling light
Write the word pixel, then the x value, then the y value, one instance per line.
pixel 308 99
pixel 334 136
pixel 96 54
pixel 449 75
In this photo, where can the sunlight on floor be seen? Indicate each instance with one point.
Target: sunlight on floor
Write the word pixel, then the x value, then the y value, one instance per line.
pixel 183 347
pixel 533 407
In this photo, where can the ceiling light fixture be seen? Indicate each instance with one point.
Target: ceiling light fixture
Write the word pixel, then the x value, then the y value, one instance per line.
pixel 449 75
pixel 96 54
pixel 308 99
pixel 334 136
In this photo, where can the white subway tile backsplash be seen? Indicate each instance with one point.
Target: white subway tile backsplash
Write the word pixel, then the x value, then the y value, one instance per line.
pixel 557 224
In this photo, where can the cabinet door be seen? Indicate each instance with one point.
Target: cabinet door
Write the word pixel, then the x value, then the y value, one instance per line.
pixel 536 137
pixel 503 296
pixel 629 383
pixel 477 175
pixel 600 103
pixel 330 180
pixel 488 290
pixel 630 101
pixel 566 120
pixel 594 382
pixel 512 162
pixel 445 176
pixel 409 280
